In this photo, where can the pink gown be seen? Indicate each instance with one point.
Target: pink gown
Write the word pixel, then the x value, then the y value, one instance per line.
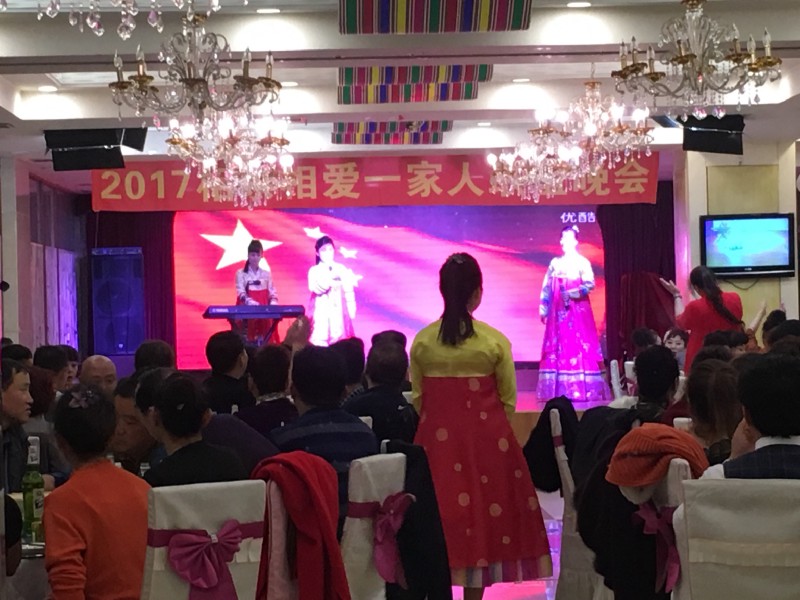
pixel 571 363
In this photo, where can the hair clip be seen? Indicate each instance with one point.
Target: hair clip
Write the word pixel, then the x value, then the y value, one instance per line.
pixel 83 399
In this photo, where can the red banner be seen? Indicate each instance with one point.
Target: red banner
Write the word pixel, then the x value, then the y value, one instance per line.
pixel 364 181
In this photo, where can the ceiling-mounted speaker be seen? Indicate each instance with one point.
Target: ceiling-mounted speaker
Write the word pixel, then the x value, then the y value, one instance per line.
pixel 720 136
pixel 82 149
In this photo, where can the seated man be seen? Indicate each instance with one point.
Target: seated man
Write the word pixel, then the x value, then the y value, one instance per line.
pixel 101 372
pixel 323 428
pixel 132 444
pixel 766 444
pixel 269 369
pixel 228 359
pixel 153 354
pixel 392 417
pixel 18 352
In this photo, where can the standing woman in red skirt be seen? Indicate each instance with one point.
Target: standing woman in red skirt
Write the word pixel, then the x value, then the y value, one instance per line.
pixel 465 390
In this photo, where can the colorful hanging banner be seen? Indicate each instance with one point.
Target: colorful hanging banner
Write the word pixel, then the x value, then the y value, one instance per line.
pixel 414 74
pixel 365 181
pixel 405 138
pixel 407 92
pixel 391 126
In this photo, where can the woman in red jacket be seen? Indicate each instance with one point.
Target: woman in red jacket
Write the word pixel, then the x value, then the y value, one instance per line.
pixel 713 310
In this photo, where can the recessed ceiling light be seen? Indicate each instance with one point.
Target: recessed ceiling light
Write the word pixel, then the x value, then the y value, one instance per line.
pixel 289 84
pixel 484 124
pixel 578 4
pixel 268 11
pixel 521 80
pixel 48 89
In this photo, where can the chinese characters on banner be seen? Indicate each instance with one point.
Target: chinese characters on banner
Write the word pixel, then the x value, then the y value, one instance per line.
pixel 366 181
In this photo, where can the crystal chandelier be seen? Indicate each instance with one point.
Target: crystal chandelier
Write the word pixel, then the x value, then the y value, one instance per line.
pixel 704 62
pixel 239 158
pixel 194 77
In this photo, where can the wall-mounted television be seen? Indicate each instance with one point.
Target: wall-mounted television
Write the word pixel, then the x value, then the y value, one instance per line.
pixel 748 245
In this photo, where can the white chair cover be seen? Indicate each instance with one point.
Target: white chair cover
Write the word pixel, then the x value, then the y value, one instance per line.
pixel 577 579
pixel 739 539
pixel 206 507
pixel 280 585
pixel 372 479
pixel 616 380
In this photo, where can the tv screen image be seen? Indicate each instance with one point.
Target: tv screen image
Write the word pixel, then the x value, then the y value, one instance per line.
pixel 747 245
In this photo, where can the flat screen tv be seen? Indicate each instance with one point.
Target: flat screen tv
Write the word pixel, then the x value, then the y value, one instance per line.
pixel 750 245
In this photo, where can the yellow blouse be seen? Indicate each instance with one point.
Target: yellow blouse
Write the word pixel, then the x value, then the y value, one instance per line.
pixel 485 353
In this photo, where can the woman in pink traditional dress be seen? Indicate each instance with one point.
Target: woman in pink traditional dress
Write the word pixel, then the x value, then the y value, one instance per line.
pixel 333 301
pixel 465 389
pixel 571 363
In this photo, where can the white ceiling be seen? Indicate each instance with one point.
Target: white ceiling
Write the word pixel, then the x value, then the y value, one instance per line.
pixel 556 54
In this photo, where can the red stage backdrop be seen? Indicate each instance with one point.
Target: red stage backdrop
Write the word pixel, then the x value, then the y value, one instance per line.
pixel 397 252
pixel 365 181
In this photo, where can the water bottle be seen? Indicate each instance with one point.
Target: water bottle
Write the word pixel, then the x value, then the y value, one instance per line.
pixel 33 494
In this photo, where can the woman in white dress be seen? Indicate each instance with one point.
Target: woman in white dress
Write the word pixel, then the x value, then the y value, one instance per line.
pixel 333 302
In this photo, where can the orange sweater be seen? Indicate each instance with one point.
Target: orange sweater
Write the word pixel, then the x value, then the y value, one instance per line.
pixel 96 532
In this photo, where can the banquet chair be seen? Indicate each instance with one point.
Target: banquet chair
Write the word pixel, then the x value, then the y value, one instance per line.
pixel 616 380
pixel 376 504
pixel 200 542
pixel 577 579
pixel 739 539
pixel 280 547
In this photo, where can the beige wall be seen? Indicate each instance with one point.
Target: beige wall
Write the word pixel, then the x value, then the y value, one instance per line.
pixel 763 180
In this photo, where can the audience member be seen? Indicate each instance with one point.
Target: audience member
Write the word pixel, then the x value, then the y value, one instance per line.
pixel 269 369
pixel 390 335
pixel 53 358
pixel 786 345
pixel 323 428
pixel 298 334
pixel 101 372
pixel 154 354
pixel 13 534
pixel 230 433
pixel 132 444
pixel 175 418
pixel 713 310
pixel 766 445
pixel 5 341
pixel 52 460
pixel 15 411
pixel 18 352
pixel 642 339
pixel 723 353
pixel 227 386
pixel 657 376
pixel 99 513
pixel 787 328
pixel 675 339
pixel 735 340
pixel 393 418
pixel 775 318
pixel 714 407
pixel 352 351
pixel 73 362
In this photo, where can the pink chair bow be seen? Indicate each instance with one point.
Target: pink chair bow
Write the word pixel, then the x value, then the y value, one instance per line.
pixel 668 563
pixel 387 520
pixel 202 559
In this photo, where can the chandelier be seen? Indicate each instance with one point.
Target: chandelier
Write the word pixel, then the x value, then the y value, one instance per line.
pixel 569 147
pixel 194 77
pixel 239 158
pixel 704 62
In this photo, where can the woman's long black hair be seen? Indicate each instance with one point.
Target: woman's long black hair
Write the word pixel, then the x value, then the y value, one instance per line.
pixel 255 246
pixel 703 280
pixel 459 278
pixel 323 241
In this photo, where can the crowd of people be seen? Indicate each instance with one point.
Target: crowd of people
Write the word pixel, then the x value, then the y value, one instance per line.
pixel 106 441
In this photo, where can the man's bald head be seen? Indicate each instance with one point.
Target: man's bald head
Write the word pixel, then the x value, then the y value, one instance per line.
pixel 100 371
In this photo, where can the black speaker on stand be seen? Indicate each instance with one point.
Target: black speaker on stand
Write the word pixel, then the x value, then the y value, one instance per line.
pixel 117 300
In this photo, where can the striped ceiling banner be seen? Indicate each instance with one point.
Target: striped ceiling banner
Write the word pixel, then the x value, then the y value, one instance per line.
pixel 405 138
pixel 392 126
pixel 433 16
pixel 414 74
pixel 412 92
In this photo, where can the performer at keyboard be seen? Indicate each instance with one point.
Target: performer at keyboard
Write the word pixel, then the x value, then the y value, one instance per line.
pixel 333 300
pixel 254 286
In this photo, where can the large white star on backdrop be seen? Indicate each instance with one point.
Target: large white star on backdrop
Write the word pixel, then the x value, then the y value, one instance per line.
pixel 235 246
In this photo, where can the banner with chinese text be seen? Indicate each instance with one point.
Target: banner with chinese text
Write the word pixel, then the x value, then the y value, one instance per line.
pixel 462 180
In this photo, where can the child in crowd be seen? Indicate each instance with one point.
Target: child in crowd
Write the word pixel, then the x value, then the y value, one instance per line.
pixel 675 339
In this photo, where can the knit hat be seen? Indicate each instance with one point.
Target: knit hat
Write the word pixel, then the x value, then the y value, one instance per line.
pixel 643 455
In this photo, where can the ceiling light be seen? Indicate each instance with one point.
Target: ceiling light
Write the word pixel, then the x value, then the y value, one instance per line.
pixel 48 89
pixel 289 84
pixel 268 11
pixel 521 80
pixel 578 4
pixel 484 124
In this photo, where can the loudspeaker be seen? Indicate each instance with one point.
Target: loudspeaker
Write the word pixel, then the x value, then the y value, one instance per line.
pixel 117 300
pixel 80 149
pixel 720 136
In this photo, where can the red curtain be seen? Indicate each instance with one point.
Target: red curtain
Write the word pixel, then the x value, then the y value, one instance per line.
pixel 152 231
pixel 639 247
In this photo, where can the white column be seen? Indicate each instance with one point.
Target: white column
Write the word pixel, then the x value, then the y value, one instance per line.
pixel 10 264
